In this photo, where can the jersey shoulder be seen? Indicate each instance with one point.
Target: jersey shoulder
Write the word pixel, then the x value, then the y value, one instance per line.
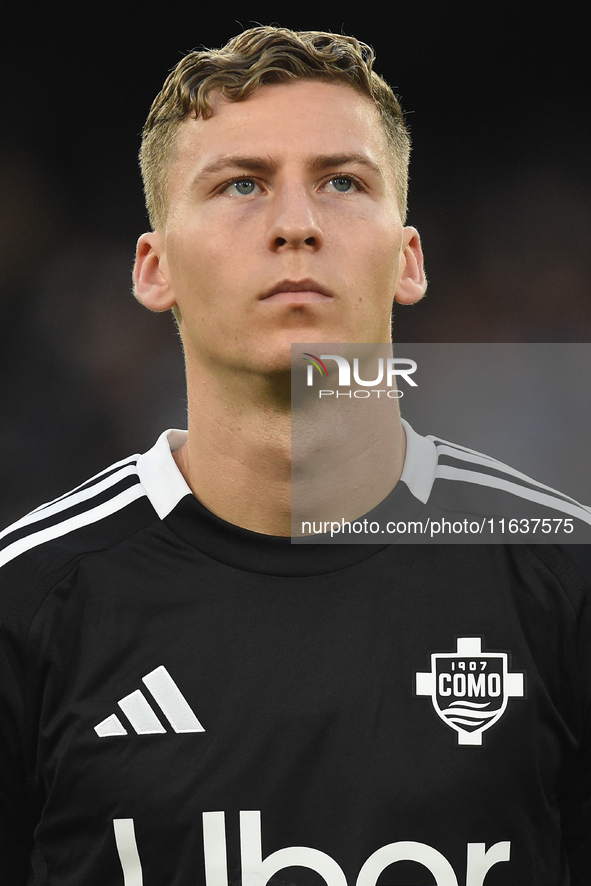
pixel 38 550
pixel 454 478
pixel 483 479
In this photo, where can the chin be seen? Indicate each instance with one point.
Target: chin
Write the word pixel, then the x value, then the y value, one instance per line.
pixel 274 360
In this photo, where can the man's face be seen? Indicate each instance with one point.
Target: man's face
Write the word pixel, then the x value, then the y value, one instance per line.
pixel 283 226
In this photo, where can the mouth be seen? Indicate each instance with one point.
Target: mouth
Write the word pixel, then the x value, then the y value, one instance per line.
pixel 298 292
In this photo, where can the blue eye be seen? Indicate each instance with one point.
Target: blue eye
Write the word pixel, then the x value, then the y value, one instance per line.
pixel 342 184
pixel 243 186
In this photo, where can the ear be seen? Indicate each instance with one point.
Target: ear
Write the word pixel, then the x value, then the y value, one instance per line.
pixel 412 282
pixel 150 274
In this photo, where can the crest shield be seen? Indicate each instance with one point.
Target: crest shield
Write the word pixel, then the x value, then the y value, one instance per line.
pixel 470 688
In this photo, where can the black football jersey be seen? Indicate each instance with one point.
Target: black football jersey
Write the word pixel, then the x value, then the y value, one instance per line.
pixel 187 703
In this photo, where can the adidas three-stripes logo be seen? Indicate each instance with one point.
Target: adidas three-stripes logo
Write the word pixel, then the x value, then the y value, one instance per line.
pixel 141 714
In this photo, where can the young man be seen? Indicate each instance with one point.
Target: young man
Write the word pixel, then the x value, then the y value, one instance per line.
pixel 189 698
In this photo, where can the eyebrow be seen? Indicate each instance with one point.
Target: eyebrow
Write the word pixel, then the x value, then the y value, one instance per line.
pixel 327 161
pixel 266 164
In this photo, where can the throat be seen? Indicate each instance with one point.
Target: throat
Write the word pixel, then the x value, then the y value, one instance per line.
pixel 242 474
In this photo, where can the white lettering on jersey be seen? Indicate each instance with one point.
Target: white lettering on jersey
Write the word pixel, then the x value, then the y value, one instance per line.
pixel 480 861
pixel 128 854
pixel 258 871
pixel 407 850
pixel 214 848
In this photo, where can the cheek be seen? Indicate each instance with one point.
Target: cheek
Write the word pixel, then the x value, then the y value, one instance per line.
pixel 208 255
pixel 376 244
pixel 190 269
pixel 382 267
pixel 388 258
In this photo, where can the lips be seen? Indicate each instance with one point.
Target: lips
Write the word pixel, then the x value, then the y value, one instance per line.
pixel 297 290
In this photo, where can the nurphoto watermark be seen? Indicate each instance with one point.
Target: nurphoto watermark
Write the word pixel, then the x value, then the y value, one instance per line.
pixel 441 444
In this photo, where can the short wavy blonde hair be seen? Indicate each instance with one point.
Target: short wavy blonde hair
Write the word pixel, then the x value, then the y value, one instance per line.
pixel 258 56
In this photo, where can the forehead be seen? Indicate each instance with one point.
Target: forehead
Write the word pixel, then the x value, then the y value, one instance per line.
pixel 286 121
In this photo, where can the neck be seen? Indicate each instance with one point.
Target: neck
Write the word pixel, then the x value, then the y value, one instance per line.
pixel 254 464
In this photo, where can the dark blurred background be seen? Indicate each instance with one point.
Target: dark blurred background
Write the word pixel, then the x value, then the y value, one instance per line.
pixel 497 99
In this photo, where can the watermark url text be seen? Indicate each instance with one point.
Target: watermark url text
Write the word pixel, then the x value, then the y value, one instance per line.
pixel 432 528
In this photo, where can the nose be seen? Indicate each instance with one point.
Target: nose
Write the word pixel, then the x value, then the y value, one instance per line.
pixel 294 222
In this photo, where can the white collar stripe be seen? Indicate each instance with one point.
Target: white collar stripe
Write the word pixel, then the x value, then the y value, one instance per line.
pixel 70 500
pixel 70 525
pixel 110 470
pixel 159 475
pixel 446 472
pixel 420 464
pixel 477 459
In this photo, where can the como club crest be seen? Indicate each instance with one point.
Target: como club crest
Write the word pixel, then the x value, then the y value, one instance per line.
pixel 470 688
